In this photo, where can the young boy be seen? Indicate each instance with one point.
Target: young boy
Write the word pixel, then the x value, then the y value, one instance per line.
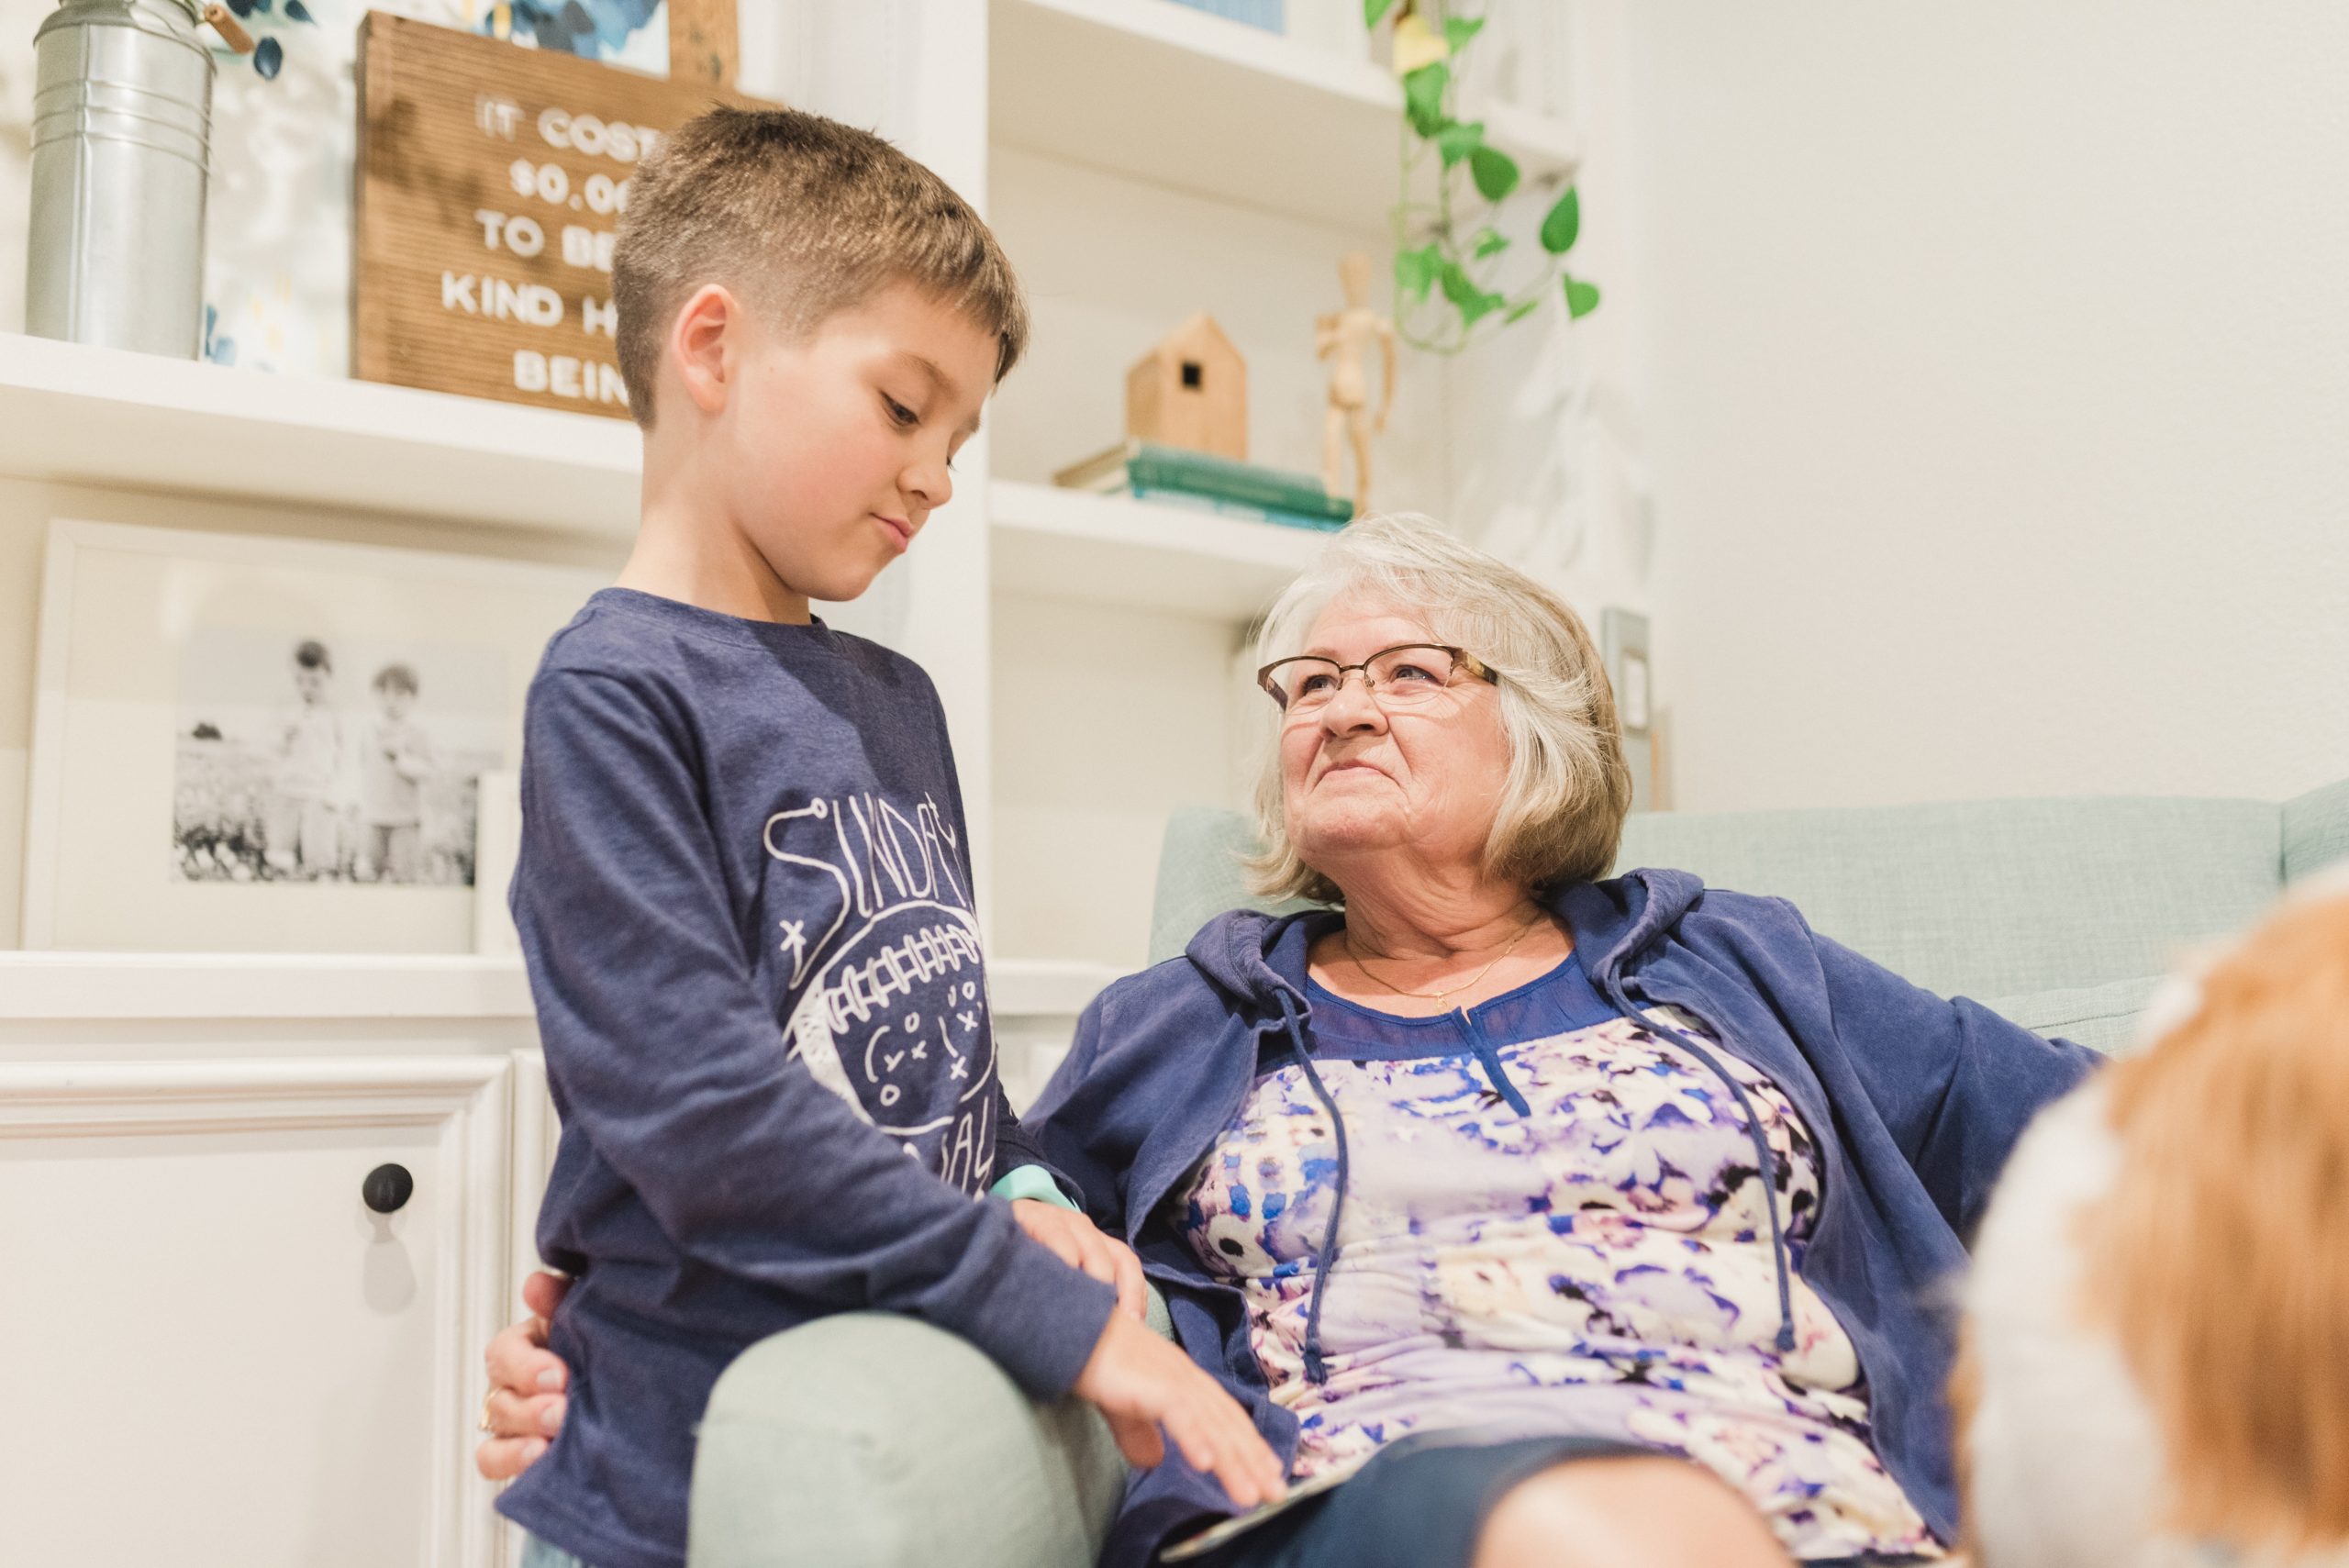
pixel 302 832
pixel 393 765
pixel 742 892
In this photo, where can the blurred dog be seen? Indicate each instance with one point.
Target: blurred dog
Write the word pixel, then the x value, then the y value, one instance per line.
pixel 2155 1372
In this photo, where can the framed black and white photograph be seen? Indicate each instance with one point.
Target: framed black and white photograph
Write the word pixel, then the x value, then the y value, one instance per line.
pixel 266 744
pixel 296 760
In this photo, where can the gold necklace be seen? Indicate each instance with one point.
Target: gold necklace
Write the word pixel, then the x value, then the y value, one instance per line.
pixel 1348 939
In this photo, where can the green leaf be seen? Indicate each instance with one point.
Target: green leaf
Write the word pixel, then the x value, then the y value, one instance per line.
pixel 1456 141
pixel 1424 97
pixel 1458 287
pixel 1415 271
pixel 1462 291
pixel 1495 172
pixel 1564 224
pixel 1458 31
pixel 1488 242
pixel 1374 11
pixel 1582 298
pixel 1521 312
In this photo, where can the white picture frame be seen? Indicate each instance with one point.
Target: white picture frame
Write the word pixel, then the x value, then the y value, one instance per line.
pixel 497 848
pixel 143 626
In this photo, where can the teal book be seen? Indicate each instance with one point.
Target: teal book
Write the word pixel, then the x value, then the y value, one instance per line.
pixel 1192 499
pixel 1137 464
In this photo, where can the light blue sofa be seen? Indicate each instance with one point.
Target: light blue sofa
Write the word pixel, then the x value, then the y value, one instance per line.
pixel 868 1440
pixel 2060 914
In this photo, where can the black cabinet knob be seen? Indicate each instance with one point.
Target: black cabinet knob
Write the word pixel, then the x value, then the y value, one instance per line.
pixel 388 1187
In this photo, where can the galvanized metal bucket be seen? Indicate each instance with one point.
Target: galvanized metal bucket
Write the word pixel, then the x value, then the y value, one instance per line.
pixel 122 116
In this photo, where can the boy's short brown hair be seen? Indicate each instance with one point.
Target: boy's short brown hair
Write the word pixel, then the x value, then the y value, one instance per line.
pixel 803 217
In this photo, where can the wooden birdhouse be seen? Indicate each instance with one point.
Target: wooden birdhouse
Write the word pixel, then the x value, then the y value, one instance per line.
pixel 1191 391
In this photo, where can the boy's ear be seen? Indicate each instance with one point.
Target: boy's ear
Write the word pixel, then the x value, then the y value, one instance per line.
pixel 704 344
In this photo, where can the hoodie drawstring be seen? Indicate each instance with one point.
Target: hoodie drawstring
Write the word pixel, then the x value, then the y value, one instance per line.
pixel 1766 1171
pixel 1491 1060
pixel 1292 1023
pixel 1316 1370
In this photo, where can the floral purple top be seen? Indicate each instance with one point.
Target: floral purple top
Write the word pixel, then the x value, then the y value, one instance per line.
pixel 1601 1267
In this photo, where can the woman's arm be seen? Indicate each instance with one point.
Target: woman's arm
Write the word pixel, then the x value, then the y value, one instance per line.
pixel 1954 1081
pixel 527 1383
pixel 1070 1128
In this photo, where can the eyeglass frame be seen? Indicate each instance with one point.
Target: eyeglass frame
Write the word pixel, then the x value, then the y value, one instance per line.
pixel 1461 659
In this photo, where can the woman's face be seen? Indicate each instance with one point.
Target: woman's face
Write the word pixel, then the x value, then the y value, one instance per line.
pixel 1358 781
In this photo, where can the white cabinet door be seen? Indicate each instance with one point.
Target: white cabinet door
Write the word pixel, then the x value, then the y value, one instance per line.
pixel 213 1352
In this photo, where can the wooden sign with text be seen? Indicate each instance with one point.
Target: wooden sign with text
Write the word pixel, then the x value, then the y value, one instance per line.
pixel 490 180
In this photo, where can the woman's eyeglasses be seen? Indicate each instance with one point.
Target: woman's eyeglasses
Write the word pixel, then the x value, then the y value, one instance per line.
pixel 1406 676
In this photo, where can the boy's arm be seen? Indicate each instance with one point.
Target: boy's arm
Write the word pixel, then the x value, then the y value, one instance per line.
pixel 673 1066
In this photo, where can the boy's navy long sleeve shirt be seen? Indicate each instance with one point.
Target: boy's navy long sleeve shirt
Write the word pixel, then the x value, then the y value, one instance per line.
pixel 745 905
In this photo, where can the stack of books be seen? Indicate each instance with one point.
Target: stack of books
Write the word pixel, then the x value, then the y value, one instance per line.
pixel 1176 477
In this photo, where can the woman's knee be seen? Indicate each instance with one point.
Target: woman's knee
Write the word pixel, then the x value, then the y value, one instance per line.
pixel 1625 1513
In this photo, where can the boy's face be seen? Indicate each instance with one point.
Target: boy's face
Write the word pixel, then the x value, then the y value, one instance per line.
pixel 311 681
pixel 838 442
pixel 396 701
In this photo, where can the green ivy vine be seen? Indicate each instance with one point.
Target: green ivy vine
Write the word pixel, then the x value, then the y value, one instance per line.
pixel 1450 255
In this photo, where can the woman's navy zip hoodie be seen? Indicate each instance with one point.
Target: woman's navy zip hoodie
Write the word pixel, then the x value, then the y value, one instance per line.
pixel 1915 1103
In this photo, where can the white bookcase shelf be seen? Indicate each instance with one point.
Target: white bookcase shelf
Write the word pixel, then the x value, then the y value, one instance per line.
pixel 1072 544
pixel 1047 988
pixel 125 986
pixel 1176 96
pixel 76 414
pixel 47 987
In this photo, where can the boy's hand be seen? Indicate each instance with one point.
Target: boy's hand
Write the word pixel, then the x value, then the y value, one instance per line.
pixel 1146 1385
pixel 1074 1241
pixel 525 1406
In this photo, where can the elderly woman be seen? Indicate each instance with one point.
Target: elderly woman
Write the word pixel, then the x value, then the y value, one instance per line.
pixel 1536 1219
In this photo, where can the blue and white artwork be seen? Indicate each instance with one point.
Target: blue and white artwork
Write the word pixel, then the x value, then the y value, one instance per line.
pixel 634 33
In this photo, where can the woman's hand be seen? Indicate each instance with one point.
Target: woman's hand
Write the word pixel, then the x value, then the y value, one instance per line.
pixel 1146 1385
pixel 527 1381
pixel 1074 1241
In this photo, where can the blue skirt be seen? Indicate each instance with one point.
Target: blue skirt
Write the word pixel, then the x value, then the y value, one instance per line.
pixel 1419 1505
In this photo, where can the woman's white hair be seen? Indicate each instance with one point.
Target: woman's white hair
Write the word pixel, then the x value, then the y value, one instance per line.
pixel 1562 808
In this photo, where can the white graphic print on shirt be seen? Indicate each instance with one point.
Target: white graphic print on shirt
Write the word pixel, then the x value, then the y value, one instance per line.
pixel 891 1005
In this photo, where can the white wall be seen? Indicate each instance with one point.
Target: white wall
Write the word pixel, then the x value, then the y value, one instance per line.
pixel 1107 720
pixel 1996 366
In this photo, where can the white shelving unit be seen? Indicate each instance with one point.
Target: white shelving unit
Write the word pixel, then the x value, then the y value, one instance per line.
pixel 1175 96
pixel 76 414
pixel 73 413
pixel 1069 544
pixel 1148 159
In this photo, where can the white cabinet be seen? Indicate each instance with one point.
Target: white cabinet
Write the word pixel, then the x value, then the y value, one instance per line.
pixel 213 1353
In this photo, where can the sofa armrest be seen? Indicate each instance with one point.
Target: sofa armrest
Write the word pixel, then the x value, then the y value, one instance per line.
pixel 877 1441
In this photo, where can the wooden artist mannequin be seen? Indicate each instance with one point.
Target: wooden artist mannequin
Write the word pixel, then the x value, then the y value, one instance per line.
pixel 1344 339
